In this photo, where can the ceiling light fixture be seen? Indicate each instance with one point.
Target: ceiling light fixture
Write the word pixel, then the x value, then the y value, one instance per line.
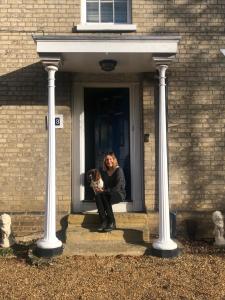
pixel 108 65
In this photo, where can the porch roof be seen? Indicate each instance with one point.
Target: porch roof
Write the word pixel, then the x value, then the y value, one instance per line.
pixel 134 54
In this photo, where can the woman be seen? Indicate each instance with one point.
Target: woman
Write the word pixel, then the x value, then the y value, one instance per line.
pixel 113 192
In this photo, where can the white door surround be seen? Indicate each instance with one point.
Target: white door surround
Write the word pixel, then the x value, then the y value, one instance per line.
pixel 78 148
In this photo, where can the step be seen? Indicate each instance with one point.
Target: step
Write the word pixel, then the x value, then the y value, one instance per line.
pixel 131 227
pixel 119 234
pixel 109 248
pixel 106 248
pixel 123 220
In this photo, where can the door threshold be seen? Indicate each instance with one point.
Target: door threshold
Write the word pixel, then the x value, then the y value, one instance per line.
pixel 118 207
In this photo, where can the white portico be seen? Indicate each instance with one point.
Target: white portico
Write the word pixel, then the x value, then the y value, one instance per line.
pixel 132 54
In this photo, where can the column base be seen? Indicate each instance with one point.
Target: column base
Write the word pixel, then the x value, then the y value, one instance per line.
pixel 165 253
pixel 44 252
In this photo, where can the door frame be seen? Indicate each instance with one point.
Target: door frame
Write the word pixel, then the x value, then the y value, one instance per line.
pixel 78 147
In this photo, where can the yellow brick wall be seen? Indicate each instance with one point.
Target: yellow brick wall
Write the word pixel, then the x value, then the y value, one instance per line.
pixel 196 109
pixel 196 95
pixel 23 108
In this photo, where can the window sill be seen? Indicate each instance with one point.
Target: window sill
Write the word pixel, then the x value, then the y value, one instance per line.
pixel 100 27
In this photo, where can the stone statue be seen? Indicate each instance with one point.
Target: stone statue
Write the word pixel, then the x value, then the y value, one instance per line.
pixel 5 226
pixel 218 231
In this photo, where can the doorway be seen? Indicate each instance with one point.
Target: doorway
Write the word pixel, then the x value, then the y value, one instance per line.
pixel 117 127
pixel 107 128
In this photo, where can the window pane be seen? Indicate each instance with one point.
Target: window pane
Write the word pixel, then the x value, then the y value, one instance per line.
pixel 120 11
pixel 106 12
pixel 92 12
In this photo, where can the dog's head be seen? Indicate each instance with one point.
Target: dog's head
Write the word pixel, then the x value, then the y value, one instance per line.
pixel 93 175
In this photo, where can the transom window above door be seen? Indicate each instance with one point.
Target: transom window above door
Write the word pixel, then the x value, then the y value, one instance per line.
pixel 108 11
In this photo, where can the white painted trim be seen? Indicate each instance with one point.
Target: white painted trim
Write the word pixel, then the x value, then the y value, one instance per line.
pixel 107 46
pixel 78 167
pixel 222 51
pixel 83 11
pixel 78 150
pixel 93 27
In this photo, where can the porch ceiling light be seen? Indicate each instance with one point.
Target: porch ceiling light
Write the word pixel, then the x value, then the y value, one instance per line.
pixel 108 65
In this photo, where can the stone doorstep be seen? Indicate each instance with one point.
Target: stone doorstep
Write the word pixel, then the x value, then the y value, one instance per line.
pixel 122 219
pixel 120 234
pixel 130 238
pixel 106 248
pixel 109 248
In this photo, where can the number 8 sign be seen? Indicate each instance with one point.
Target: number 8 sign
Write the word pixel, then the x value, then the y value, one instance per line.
pixel 58 121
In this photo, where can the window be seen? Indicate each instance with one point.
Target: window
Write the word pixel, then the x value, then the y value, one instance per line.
pixel 108 11
pixel 105 16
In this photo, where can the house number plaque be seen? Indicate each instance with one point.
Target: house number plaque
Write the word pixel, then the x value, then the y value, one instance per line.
pixel 58 121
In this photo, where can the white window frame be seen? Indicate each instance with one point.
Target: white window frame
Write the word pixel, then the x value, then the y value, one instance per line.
pixel 113 3
pixel 89 26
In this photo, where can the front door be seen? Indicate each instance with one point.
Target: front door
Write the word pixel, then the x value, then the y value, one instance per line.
pixel 107 117
pixel 107 128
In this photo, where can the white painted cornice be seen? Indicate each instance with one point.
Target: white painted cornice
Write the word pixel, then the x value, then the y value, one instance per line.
pixel 134 54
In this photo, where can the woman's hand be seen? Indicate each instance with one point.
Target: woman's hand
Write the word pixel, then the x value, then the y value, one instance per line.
pixel 97 190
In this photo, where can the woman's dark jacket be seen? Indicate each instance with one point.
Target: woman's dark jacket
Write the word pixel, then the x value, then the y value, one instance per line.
pixel 115 185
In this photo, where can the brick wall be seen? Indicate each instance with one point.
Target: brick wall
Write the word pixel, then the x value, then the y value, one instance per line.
pixel 196 95
pixel 195 98
pixel 23 108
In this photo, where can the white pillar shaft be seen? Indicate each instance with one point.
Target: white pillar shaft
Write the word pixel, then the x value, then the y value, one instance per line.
pixel 50 240
pixel 164 242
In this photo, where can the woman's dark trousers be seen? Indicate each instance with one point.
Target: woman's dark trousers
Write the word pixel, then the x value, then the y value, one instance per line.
pixel 104 207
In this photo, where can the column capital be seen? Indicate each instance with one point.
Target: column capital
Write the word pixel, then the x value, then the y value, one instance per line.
pixel 51 68
pixel 162 67
pixel 162 70
pixel 51 62
pixel 163 59
pixel 162 74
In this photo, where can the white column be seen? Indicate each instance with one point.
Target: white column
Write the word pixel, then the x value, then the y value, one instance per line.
pixel 50 241
pixel 164 242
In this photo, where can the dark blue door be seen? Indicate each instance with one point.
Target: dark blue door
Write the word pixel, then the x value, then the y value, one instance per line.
pixel 107 129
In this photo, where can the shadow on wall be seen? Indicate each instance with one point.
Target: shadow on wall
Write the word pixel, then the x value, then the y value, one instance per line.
pixel 29 86
pixel 23 139
pixel 196 108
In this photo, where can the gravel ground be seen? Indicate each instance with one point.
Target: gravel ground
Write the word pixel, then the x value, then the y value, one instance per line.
pixel 199 273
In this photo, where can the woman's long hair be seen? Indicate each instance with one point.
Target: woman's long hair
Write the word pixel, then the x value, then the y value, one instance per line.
pixel 115 161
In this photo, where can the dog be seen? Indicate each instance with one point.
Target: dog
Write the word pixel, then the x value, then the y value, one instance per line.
pixel 95 180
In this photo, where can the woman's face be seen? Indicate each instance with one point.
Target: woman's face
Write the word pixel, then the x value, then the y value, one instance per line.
pixel 109 161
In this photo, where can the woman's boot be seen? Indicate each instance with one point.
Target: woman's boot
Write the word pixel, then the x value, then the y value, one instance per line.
pixel 101 212
pixel 111 223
